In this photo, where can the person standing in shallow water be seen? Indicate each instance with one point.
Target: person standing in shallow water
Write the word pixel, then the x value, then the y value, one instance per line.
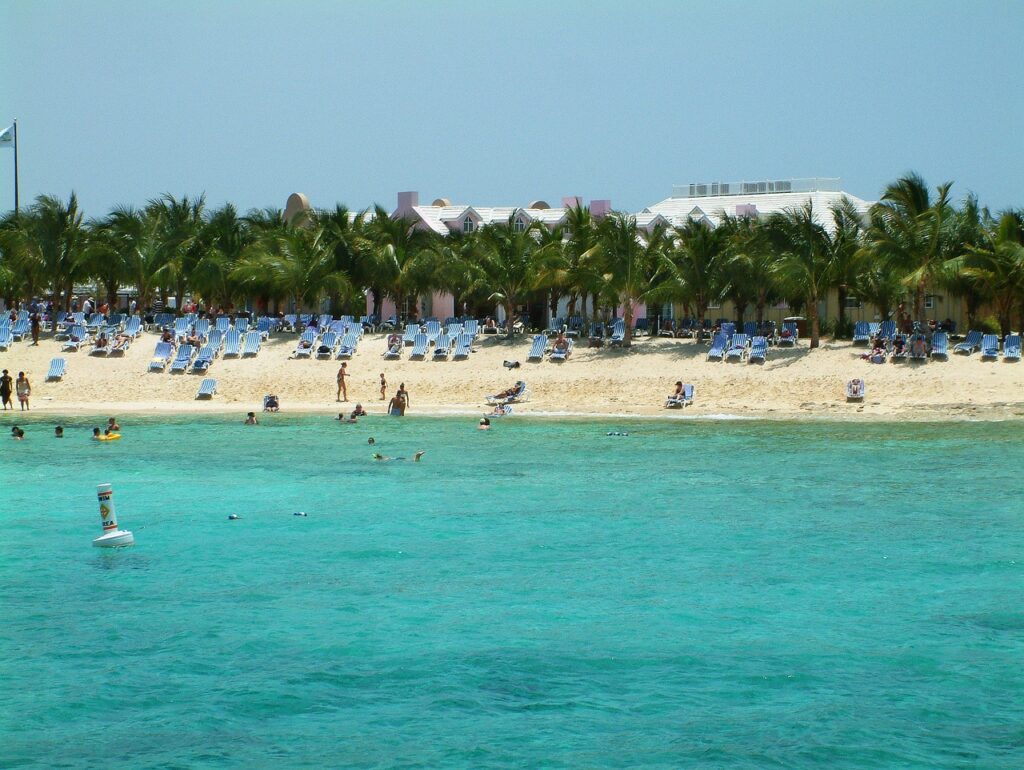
pixel 6 388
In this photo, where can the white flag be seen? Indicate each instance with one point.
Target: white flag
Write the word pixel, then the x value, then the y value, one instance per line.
pixel 7 136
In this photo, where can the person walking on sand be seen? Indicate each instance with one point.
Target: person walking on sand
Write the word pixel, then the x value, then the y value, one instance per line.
pixel 35 328
pixel 342 387
pixel 383 388
pixel 23 389
pixel 6 388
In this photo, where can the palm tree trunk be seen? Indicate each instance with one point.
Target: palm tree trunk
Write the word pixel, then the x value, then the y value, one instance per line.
pixel 842 292
pixel 510 319
pixel 627 319
pixel 918 302
pixel 812 311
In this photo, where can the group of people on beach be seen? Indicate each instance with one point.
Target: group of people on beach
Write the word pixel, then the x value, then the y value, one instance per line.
pixel 21 387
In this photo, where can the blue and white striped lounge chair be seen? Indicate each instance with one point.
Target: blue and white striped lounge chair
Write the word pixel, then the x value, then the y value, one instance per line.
pixel 232 343
pixel 537 348
pixel 242 324
pixel 794 335
pixel 77 336
pixel 203 360
pixel 223 323
pixel 207 388
pixel 327 345
pixel 215 341
pixel 393 351
pixel 750 329
pixel 20 329
pixel 683 399
pixel 133 326
pixel 251 344
pixel 887 330
pixel 411 330
pixel 738 347
pixel 519 393
pixel 1011 347
pixel 181 327
pixel 433 331
pixel 758 350
pixel 463 345
pixel 265 325
pixel 203 328
pixel 419 346
pixel 472 327
pixel 618 332
pixel 161 356
pixel 940 345
pixel 453 330
pixel 57 368
pixel 183 359
pixel 728 329
pixel 990 347
pixel 971 343
pixel 98 348
pixel 306 345
pixel 6 338
pixel 442 348
pixel 349 343
pixel 856 390
pixel 718 344
pixel 560 354
pixel 902 352
pixel 861 333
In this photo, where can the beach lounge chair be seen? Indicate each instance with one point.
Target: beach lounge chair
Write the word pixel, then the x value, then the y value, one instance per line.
pixel 271 403
pixel 223 323
pixel 1011 347
pixel 887 330
pixel 861 333
pixel 790 335
pixel 215 340
pixel 183 359
pixel 728 329
pixel 20 329
pixel 327 345
pixel 120 346
pixel 349 343
pixel 758 350
pixel 133 326
pixel 472 327
pixel 971 343
pixel 242 324
pixel 433 331
pixel 77 336
pixel 618 332
pixel 203 327
pixel 738 347
pixel 100 347
pixel 6 338
pixel 265 325
pixel 463 344
pixel 251 344
pixel 203 360
pixel 902 351
pixel 717 351
pixel 56 371
pixel 411 330
pixel 918 348
pixel 990 347
pixel 683 399
pixel 560 354
pixel 442 347
pixel 855 390
pixel 306 345
pixel 181 327
pixel 537 348
pixel 517 394
pixel 161 356
pixel 232 343
pixel 940 345
pixel 207 388
pixel 419 346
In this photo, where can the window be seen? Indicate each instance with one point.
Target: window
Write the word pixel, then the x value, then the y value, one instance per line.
pixel 929 302
pixel 714 305
pixel 519 225
pixel 467 225
pixel 853 303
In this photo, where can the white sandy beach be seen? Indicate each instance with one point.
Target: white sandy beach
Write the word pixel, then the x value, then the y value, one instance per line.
pixel 793 383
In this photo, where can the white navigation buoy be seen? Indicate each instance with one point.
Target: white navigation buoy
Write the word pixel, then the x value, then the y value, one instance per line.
pixel 112 536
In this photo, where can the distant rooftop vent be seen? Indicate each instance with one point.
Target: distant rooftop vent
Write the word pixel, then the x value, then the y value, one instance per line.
pixel 767 187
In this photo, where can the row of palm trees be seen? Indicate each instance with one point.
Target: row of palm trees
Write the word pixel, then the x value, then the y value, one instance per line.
pixel 912 244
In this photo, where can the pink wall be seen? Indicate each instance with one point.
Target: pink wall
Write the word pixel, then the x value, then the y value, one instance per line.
pixel 387 306
pixel 443 304
pixel 639 311
pixel 600 208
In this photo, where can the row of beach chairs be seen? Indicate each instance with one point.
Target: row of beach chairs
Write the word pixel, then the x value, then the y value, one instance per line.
pixel 539 348
pixel 445 346
pixel 198 359
pixel 739 347
pixel 331 344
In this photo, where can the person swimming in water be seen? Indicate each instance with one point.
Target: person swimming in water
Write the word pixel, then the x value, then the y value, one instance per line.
pixel 385 459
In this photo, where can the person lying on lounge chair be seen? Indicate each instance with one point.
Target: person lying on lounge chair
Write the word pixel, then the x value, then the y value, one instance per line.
pixel 677 394
pixel 918 348
pixel 877 354
pixel 513 391
pixel 561 344
pixel 101 341
pixel 271 404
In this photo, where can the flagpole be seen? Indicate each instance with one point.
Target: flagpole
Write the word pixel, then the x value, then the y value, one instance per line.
pixel 15 165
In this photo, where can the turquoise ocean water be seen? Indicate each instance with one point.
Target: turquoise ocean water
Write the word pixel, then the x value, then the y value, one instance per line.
pixel 696 594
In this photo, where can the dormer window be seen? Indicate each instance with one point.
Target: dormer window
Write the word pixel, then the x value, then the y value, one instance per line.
pixel 519 226
pixel 467 225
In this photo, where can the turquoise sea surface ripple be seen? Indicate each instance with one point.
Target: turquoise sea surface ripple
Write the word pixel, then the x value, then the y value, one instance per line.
pixel 695 594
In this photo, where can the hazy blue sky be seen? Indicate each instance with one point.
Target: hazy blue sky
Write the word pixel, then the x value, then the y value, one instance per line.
pixel 502 103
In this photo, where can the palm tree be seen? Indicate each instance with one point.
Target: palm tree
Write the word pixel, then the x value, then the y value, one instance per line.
pixel 698 254
pixel 803 265
pixel 507 264
pixel 346 237
pixel 998 266
pixel 845 245
pixel 629 263
pixel 134 242
pixel 908 231
pixel 295 263
pixel 402 258
pixel 226 240
pixel 182 226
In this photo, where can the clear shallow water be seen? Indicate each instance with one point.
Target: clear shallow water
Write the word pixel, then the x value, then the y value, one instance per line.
pixel 703 594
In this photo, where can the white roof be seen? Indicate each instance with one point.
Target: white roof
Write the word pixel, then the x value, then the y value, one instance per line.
pixel 678 210
pixel 437 217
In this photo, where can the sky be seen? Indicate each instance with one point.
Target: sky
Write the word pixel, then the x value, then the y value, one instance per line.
pixel 502 103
